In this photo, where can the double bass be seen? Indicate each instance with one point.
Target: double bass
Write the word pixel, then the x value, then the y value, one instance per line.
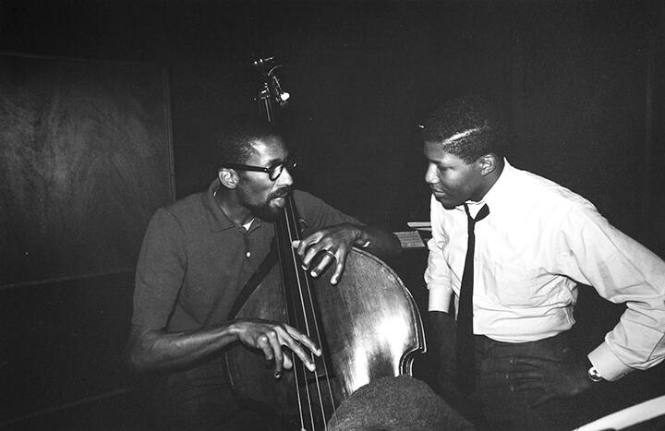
pixel 367 326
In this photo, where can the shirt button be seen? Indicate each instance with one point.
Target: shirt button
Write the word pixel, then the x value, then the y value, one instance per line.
pixel 248 254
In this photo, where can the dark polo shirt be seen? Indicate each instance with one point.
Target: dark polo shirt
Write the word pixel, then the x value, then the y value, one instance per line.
pixel 194 260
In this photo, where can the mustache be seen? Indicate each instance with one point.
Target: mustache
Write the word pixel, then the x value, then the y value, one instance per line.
pixel 282 192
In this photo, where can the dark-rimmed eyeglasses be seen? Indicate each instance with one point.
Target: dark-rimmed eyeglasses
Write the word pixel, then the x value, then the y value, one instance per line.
pixel 273 171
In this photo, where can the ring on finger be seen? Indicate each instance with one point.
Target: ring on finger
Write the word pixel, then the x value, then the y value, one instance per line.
pixel 330 253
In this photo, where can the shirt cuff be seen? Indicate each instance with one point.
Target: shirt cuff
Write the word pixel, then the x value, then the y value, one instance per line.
pixel 439 299
pixel 608 365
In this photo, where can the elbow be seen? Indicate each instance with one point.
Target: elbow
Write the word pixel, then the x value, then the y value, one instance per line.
pixel 136 354
pixel 134 361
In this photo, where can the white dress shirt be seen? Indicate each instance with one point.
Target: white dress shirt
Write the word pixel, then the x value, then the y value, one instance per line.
pixel 537 243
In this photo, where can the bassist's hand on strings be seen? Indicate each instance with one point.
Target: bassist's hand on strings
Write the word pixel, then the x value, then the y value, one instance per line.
pixel 269 337
pixel 330 245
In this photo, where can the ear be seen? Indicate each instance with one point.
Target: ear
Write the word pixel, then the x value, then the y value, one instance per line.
pixel 488 163
pixel 228 177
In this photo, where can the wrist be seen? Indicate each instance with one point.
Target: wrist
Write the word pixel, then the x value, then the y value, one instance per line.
pixel 361 238
pixel 233 328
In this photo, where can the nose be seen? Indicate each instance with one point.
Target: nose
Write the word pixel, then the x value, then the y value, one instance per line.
pixel 285 179
pixel 431 176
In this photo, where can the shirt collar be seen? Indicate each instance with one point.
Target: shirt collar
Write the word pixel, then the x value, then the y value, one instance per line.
pixel 496 193
pixel 217 219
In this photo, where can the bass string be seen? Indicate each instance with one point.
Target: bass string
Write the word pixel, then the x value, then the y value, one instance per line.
pixel 306 403
pixel 308 299
pixel 267 102
pixel 311 329
pixel 320 342
pixel 300 373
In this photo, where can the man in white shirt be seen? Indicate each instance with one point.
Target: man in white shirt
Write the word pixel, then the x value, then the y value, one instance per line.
pixel 535 241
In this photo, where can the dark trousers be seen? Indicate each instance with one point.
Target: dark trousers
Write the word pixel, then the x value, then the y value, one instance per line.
pixel 507 407
pixel 201 399
pixel 498 403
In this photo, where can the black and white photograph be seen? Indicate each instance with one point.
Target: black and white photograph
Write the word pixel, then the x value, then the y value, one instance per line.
pixel 332 215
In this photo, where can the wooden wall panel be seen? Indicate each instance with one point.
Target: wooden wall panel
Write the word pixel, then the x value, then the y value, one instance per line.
pixel 86 159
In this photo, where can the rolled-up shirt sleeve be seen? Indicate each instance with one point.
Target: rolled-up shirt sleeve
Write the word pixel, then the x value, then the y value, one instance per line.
pixel 437 274
pixel 622 271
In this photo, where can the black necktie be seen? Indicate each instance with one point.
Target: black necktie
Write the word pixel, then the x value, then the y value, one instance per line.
pixel 465 345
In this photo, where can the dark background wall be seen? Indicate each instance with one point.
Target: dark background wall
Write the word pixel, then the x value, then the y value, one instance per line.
pixel 581 81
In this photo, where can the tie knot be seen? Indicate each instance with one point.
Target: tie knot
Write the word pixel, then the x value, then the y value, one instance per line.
pixel 484 212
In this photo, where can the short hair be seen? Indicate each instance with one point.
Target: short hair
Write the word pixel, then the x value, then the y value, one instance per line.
pixel 468 127
pixel 234 144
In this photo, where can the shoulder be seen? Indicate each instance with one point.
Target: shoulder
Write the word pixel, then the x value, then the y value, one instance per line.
pixel 307 200
pixel 307 203
pixel 186 211
pixel 315 212
pixel 546 194
pixel 187 205
pixel 527 202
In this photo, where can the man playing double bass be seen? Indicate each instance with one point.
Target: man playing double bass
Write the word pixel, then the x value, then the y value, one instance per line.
pixel 196 257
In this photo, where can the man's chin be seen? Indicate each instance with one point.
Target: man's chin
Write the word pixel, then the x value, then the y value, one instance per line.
pixel 446 203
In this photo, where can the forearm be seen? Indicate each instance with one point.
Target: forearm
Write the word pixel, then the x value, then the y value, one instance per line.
pixel 622 271
pixel 441 326
pixel 157 350
pixel 377 241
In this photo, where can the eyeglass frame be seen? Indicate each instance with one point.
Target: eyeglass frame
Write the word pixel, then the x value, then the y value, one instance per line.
pixel 288 163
